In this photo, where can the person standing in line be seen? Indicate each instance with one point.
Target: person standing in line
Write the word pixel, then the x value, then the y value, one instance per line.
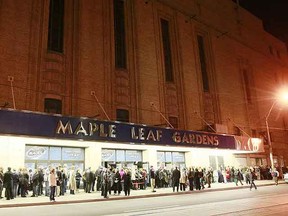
pixel 88 181
pixel 72 180
pixel 8 184
pixel 91 180
pixel 24 182
pixel 46 180
pixel 183 180
pixel 53 184
pixel 152 178
pixel 117 183
pixel 252 177
pixel 65 178
pixel 58 181
pixel 191 174
pixel 1 181
pixel 105 183
pixel 41 180
pixel 175 178
pixel 78 180
pixel 35 183
pixel 127 182
pixel 98 178
pixel 197 180
pixel 122 172
pixel 15 179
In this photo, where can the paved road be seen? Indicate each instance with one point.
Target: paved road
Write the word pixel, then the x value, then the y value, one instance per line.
pixel 269 200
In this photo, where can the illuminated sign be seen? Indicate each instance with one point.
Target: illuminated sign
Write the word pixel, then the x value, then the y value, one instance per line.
pixel 57 126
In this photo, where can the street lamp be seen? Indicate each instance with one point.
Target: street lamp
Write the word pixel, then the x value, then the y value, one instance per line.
pixel 283 97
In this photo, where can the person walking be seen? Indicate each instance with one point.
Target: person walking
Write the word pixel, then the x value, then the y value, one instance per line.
pixel 53 184
pixel 209 177
pixel 252 177
pixel 275 175
pixel 238 176
pixel 152 178
pixel 175 178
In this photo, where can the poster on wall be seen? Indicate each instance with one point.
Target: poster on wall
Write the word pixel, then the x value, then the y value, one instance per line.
pixel 73 154
pixel 178 157
pixel 133 155
pixel 108 155
pixel 36 152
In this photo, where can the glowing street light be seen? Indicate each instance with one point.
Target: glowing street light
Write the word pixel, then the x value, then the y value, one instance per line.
pixel 282 98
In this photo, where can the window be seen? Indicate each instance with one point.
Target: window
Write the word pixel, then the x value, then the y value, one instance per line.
pixel 167 50
pixel 56 26
pixel 203 65
pixel 237 131
pixel 278 54
pixel 254 133
pixel 119 34
pixel 173 121
pixel 53 106
pixel 247 86
pixel 271 50
pixel 122 115
pixel 43 156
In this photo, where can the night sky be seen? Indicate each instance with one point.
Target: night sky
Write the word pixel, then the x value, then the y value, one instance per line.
pixel 274 14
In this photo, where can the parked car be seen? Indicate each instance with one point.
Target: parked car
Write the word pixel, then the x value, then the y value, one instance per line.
pixel 286 177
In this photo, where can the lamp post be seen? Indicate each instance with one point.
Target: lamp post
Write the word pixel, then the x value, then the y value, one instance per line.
pixel 268 136
pixel 283 97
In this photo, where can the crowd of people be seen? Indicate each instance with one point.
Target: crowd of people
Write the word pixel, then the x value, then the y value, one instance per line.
pixel 54 182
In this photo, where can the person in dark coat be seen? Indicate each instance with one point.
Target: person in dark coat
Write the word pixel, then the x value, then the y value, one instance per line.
pixel 78 180
pixel 35 183
pixel 127 182
pixel 41 180
pixel 175 178
pixel 1 181
pixel 252 177
pixel 152 178
pixel 105 183
pixel 197 179
pixel 117 183
pixel 23 182
pixel 15 184
pixel 88 181
pixel 91 181
pixel 191 174
pixel 8 184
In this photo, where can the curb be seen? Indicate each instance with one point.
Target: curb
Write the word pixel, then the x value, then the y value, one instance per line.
pixel 130 197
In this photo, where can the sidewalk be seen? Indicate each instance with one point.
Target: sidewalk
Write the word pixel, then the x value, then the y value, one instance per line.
pixel 82 197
